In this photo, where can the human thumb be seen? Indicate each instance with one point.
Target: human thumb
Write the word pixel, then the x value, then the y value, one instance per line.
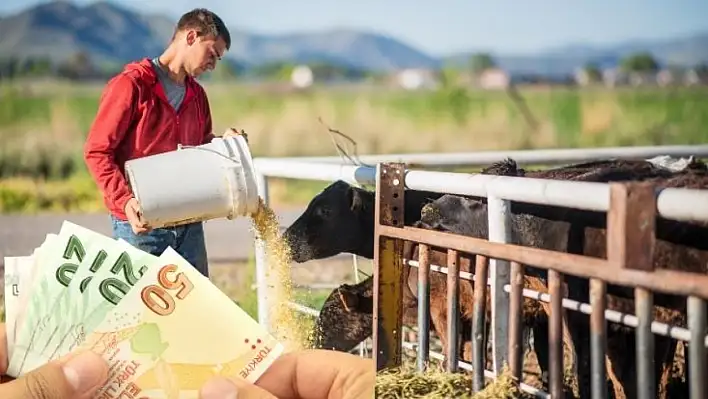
pixel 224 388
pixel 78 377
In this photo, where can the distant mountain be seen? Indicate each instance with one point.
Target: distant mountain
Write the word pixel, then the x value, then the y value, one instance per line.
pixel 686 51
pixel 113 34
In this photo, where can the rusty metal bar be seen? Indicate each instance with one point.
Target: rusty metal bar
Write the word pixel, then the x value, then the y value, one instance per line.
pixel 388 267
pixel 516 303
pixel 555 335
pixel 696 350
pixel 453 309
pixel 646 380
pixel 631 221
pixel 598 339
pixel 631 239
pixel 663 281
pixel 423 306
pixel 478 322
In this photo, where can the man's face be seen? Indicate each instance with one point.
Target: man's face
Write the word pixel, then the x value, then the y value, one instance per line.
pixel 202 52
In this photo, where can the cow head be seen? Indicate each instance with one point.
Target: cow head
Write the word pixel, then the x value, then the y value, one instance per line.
pixel 339 219
pixel 457 215
pixel 345 319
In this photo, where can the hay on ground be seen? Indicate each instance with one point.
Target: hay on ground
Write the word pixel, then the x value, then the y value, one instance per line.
pixel 407 383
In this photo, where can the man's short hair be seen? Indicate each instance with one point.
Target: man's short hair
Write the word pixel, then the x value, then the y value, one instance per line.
pixel 206 23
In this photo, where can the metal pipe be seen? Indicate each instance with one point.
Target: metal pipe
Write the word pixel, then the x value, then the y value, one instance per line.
pixel 453 314
pixel 555 335
pixel 423 306
pixel 697 352
pixel 541 156
pixel 499 219
pixel 598 339
pixel 571 194
pixel 516 307
pixel 478 323
pixel 646 385
pixel 262 262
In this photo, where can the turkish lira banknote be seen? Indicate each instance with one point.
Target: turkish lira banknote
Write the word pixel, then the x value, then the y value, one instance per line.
pixel 163 327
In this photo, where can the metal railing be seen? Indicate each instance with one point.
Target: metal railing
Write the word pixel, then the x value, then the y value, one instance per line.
pixel 631 210
pixel 498 190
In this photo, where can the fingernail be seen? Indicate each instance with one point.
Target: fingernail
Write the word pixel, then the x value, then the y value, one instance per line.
pixel 219 388
pixel 84 372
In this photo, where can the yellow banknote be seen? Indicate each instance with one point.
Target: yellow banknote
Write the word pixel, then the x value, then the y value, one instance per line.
pixel 175 330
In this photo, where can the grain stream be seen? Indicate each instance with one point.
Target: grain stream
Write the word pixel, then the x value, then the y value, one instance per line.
pixel 286 326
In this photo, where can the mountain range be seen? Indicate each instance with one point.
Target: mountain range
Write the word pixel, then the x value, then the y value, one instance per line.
pixel 115 34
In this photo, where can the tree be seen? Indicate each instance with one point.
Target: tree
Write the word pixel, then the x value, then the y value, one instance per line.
pixel 480 62
pixel 593 72
pixel 640 62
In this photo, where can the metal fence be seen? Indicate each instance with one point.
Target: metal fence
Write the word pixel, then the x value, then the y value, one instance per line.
pixel 499 190
pixel 631 210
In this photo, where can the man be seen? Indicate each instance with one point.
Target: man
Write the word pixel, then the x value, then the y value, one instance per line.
pixel 151 107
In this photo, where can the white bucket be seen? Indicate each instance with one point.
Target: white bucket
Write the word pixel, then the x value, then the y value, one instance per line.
pixel 192 184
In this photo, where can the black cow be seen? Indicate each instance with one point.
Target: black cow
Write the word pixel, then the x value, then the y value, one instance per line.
pixel 341 219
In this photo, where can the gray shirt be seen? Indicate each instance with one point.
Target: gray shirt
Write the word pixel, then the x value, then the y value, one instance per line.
pixel 173 90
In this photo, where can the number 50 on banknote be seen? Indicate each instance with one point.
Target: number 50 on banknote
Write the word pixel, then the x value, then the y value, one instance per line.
pixel 174 331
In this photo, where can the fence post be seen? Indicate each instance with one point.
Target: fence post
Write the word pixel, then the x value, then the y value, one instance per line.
pixel 499 218
pixel 262 262
pixel 388 266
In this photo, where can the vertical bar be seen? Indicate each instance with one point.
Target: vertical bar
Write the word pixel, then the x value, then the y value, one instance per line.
pixel 499 215
pixel 478 322
pixel 555 334
pixel 262 262
pixel 631 220
pixel 453 314
pixel 423 306
pixel 516 304
pixel 598 338
pixel 646 380
pixel 355 265
pixel 388 267
pixel 697 348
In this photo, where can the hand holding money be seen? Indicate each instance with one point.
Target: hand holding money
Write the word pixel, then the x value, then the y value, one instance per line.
pixel 78 376
pixel 163 329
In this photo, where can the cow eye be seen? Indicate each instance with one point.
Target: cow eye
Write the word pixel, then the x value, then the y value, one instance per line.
pixel 323 212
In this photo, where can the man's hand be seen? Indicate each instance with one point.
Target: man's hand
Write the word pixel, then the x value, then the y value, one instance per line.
pixel 231 132
pixel 307 374
pixel 134 214
pixel 76 376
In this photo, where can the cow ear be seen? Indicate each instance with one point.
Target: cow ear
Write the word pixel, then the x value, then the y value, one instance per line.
pixel 348 299
pixel 355 200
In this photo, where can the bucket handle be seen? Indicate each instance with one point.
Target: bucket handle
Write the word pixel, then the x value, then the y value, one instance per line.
pixel 180 146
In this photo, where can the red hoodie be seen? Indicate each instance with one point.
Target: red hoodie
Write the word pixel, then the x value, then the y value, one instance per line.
pixel 134 120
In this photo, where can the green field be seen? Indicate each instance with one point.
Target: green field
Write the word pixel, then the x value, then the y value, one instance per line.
pixel 43 127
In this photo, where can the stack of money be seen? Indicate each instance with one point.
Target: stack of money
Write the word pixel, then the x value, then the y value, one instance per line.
pixel 163 327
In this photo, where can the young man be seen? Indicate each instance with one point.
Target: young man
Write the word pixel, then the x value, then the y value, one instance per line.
pixel 149 108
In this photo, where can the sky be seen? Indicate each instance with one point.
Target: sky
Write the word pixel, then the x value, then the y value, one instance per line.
pixel 441 27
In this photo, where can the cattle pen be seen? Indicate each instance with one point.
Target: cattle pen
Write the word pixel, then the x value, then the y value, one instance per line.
pixel 632 242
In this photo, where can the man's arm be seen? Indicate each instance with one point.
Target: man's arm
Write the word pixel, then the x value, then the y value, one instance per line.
pixel 208 126
pixel 115 112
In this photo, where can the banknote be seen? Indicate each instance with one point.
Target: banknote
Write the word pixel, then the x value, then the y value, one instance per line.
pixel 102 280
pixel 26 292
pixel 47 307
pixel 173 331
pixel 18 275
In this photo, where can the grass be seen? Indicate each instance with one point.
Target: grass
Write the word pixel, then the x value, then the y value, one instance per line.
pixel 43 127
